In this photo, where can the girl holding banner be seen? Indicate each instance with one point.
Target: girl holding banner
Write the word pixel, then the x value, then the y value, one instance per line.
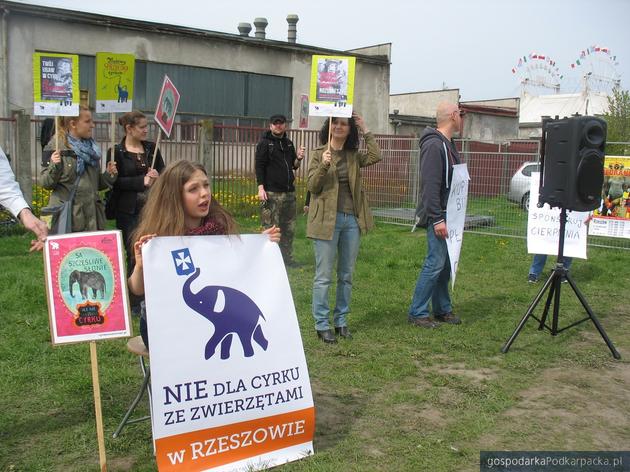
pixel 135 176
pixel 74 167
pixel 339 213
pixel 180 204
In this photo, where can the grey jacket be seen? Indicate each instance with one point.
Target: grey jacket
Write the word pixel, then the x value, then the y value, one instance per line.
pixel 437 157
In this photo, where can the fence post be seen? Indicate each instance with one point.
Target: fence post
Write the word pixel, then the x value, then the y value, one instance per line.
pixel 23 172
pixel 206 134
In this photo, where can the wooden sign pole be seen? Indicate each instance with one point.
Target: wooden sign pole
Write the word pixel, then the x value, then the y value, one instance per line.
pixel 97 408
pixel 157 143
pixel 112 135
pixel 57 127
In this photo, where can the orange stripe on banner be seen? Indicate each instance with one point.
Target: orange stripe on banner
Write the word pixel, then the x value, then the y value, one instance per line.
pixel 213 447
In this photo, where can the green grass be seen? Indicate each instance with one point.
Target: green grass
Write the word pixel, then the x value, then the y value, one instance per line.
pixel 393 398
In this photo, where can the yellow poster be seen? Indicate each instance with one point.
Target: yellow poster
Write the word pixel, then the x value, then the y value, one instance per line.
pixel 114 82
pixel 332 86
pixel 55 84
pixel 612 218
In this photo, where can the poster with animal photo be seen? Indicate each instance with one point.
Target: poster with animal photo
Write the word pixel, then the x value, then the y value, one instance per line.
pixel 114 82
pixel 55 84
pixel 86 287
pixel 166 107
pixel 231 389
pixel 332 86
pixel 612 218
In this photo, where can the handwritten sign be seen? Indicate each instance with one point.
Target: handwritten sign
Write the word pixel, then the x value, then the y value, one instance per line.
pixel 543 227
pixel 114 82
pixel 456 216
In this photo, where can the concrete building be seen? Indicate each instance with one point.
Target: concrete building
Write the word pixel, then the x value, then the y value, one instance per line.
pixel 486 120
pixel 233 78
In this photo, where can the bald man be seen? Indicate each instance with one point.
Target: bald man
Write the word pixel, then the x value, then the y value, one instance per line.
pixel 438 155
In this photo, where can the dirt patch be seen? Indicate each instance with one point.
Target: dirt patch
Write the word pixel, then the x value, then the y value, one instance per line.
pixel 475 375
pixel 571 407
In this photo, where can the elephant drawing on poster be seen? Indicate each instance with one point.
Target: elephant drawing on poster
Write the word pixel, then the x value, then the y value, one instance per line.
pixel 87 280
pixel 231 312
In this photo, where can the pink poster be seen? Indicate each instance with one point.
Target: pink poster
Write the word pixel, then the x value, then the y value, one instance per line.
pixel 86 287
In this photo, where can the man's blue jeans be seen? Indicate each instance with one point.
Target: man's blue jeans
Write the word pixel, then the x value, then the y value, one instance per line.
pixel 538 264
pixel 345 242
pixel 432 284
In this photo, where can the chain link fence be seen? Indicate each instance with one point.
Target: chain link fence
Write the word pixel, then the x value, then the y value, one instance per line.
pixel 498 189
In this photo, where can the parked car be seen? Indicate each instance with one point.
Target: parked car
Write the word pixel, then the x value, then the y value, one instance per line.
pixel 521 183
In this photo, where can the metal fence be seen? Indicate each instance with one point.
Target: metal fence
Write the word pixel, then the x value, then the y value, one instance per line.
pixel 392 184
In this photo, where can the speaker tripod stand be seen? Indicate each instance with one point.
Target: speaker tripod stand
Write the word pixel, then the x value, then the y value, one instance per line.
pixel 553 284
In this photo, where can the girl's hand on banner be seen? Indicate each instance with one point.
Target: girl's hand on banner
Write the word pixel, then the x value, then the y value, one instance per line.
pixel 327 157
pixel 111 168
pixel 273 233
pixel 55 157
pixel 358 119
pixel 137 248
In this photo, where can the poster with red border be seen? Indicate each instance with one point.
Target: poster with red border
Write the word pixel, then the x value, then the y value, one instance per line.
pixel 612 218
pixel 86 287
pixel 166 108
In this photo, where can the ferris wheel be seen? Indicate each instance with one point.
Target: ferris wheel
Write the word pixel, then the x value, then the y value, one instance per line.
pixel 598 68
pixel 537 73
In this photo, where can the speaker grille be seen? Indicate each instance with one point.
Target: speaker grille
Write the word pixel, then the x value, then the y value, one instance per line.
pixel 590 178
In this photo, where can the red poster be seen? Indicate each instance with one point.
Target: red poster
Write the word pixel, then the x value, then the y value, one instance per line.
pixel 86 287
pixel 166 108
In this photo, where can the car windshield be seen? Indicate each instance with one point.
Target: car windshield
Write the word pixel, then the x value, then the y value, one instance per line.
pixel 527 170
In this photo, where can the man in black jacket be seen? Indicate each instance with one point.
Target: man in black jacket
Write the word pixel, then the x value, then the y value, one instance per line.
pixel 276 160
pixel 437 157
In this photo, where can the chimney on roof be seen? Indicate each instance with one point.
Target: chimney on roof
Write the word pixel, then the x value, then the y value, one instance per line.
pixel 244 29
pixel 292 20
pixel 260 24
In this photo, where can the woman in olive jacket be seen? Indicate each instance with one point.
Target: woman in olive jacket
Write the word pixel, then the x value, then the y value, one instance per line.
pixel 78 154
pixel 339 213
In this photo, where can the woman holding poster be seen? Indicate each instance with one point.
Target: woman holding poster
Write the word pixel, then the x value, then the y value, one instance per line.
pixel 76 166
pixel 339 213
pixel 135 176
pixel 180 204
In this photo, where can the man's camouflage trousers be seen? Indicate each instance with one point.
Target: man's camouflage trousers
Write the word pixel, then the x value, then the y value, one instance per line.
pixel 279 210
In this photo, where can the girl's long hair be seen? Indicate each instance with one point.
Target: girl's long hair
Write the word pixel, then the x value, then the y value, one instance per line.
pixel 352 141
pixel 163 213
pixel 64 127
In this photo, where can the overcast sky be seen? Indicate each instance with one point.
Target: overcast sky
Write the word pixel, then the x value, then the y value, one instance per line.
pixel 467 44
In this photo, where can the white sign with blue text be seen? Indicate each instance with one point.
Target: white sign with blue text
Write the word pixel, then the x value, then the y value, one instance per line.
pixel 230 384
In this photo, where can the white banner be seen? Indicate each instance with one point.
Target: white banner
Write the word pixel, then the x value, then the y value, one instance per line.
pixel 456 215
pixel 543 227
pixel 230 384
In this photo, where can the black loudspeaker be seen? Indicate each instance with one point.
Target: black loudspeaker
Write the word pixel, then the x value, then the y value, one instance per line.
pixel 573 162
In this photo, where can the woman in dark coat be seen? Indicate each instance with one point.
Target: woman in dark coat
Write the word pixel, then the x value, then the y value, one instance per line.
pixel 133 158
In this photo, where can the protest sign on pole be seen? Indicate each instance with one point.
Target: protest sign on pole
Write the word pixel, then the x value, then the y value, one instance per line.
pixel 612 218
pixel 332 86
pixel 55 84
pixel 114 82
pixel 456 216
pixel 543 227
pixel 86 290
pixel 230 384
pixel 166 107
pixel 86 287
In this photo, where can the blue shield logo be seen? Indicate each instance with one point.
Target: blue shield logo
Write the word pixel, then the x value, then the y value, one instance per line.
pixel 183 261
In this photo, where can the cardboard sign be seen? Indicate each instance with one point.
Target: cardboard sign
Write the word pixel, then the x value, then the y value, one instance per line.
pixel 230 384
pixel 55 84
pixel 456 215
pixel 114 82
pixel 612 218
pixel 332 86
pixel 86 287
pixel 303 111
pixel 166 108
pixel 543 227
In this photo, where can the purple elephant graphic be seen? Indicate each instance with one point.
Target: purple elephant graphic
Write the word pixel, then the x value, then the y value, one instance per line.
pixel 231 312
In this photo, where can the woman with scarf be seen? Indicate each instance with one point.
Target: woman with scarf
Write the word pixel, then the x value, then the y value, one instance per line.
pixel 180 204
pixel 77 163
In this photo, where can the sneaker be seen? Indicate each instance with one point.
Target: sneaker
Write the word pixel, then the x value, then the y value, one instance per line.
pixel 448 318
pixel 563 279
pixel 532 278
pixel 424 322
